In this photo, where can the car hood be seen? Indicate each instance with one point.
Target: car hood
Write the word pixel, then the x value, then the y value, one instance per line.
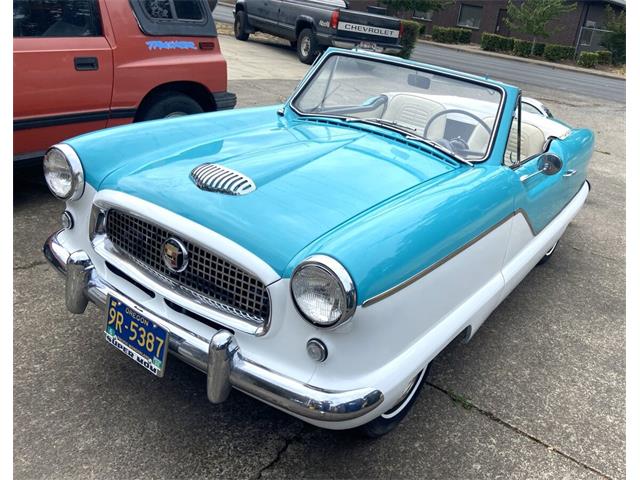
pixel 310 178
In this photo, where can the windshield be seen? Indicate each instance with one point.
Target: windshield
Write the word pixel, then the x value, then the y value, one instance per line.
pixel 454 115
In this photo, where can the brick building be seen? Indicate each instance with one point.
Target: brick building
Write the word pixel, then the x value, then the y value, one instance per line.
pixel 489 16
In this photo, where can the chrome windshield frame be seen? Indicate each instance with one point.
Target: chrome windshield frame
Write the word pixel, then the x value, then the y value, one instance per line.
pixel 311 74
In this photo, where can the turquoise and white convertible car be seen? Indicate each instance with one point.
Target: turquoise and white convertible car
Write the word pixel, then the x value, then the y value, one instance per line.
pixel 317 255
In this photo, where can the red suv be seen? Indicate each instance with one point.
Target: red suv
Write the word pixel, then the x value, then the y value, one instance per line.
pixel 82 65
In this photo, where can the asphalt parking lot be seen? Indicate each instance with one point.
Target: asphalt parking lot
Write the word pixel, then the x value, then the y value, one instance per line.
pixel 539 392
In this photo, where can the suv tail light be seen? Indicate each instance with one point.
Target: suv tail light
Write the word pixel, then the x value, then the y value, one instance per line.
pixel 401 29
pixel 335 18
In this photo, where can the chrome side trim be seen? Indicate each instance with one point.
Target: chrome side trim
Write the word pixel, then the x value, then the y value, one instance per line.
pixel 221 359
pixel 432 267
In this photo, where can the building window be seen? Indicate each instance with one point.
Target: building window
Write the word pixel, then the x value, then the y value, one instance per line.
pixel 425 15
pixel 470 16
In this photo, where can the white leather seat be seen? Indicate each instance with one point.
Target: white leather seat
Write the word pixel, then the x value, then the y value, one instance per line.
pixel 532 140
pixel 415 111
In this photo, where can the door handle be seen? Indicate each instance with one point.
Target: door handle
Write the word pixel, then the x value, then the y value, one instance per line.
pixel 85 63
pixel 570 173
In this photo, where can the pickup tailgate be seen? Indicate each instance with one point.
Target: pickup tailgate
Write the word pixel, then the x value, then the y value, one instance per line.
pixel 368 27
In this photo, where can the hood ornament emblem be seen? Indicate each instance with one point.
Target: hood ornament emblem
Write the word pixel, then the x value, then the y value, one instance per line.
pixel 175 255
pixel 217 178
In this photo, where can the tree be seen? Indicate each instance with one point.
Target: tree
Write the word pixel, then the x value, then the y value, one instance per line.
pixel 422 5
pixel 533 16
pixel 615 39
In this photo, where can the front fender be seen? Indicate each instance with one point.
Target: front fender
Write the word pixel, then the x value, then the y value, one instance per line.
pixel 389 244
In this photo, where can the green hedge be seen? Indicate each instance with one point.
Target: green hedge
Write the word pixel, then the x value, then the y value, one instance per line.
pixel 410 32
pixel 555 53
pixel 615 43
pixel 464 35
pixel 522 48
pixel 588 59
pixel 538 50
pixel 605 57
pixel 496 43
pixel 450 35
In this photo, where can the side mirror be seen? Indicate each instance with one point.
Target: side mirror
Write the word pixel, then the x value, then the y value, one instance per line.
pixel 548 164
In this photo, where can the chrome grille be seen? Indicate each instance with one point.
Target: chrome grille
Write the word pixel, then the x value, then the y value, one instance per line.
pixel 208 278
pixel 216 178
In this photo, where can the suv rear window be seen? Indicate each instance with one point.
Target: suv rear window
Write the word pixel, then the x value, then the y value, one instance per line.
pixel 56 18
pixel 174 17
pixel 167 9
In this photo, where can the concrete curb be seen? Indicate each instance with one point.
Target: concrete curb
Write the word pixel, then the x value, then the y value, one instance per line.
pixel 559 66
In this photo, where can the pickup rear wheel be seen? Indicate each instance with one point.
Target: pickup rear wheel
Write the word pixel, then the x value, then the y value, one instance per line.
pixel 307 46
pixel 240 26
pixel 392 418
pixel 169 105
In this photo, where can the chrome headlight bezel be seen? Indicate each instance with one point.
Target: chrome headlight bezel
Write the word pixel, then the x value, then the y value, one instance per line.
pixel 76 172
pixel 343 280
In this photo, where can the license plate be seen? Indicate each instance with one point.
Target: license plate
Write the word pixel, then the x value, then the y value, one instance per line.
pixel 136 336
pixel 369 46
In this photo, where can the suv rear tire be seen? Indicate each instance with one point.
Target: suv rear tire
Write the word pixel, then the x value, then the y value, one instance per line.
pixel 307 46
pixel 240 26
pixel 170 104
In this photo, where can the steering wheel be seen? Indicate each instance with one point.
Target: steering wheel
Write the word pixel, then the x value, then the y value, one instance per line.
pixel 457 145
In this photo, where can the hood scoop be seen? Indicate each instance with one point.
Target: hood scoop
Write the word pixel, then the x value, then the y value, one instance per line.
pixel 216 178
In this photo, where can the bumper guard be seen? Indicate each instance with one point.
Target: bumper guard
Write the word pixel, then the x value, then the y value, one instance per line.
pixel 219 357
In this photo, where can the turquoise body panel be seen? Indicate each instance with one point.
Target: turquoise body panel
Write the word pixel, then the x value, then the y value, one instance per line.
pixel 383 206
pixel 310 177
pixel 543 197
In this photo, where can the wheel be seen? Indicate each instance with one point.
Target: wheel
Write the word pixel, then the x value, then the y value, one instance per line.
pixel 392 418
pixel 547 255
pixel 307 46
pixel 240 26
pixel 169 105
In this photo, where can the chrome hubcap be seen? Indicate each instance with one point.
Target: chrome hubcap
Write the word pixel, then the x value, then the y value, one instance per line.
pixel 176 114
pixel 305 47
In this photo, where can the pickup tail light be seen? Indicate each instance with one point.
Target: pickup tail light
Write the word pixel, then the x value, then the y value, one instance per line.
pixel 335 18
pixel 401 29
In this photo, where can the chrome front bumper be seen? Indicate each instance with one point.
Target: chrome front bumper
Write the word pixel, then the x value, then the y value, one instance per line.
pixel 219 357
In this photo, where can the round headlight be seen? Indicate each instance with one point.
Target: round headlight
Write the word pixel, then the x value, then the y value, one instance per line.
pixel 323 291
pixel 63 172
